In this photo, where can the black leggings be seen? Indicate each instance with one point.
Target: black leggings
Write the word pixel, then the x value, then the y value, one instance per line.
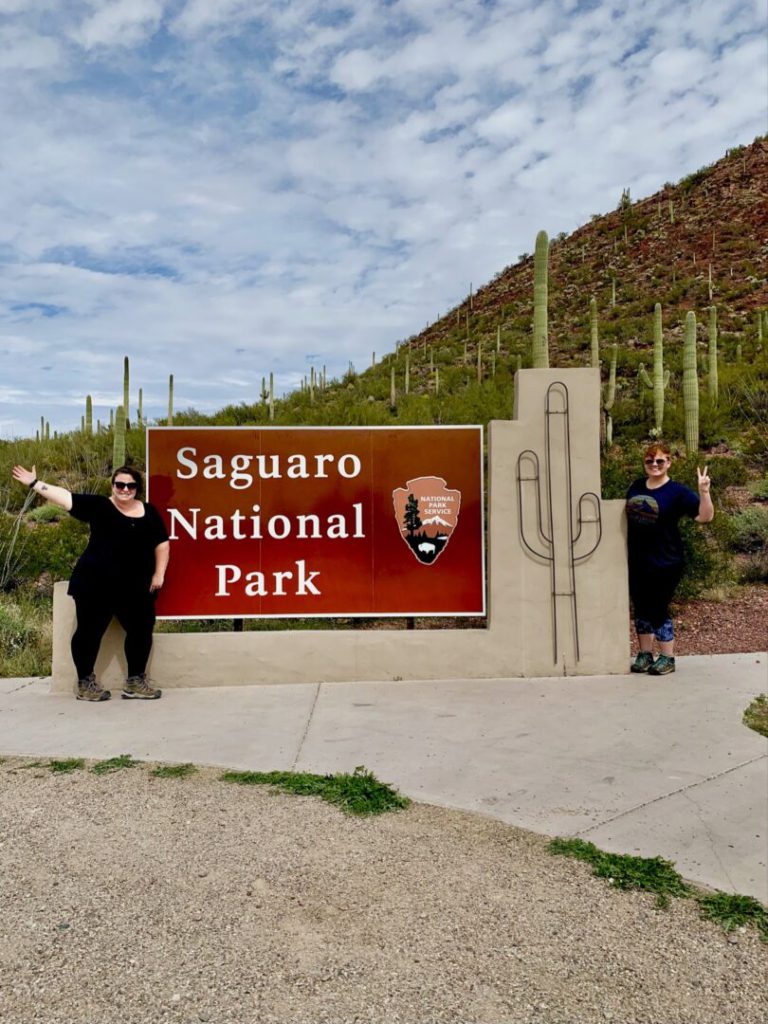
pixel 651 590
pixel 135 613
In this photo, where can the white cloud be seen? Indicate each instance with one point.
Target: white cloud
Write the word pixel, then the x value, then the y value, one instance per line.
pixel 189 180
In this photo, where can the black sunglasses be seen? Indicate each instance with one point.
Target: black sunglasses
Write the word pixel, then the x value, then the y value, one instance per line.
pixel 655 462
pixel 121 485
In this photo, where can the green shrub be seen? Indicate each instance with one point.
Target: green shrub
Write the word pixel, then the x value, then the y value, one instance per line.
pixel 53 548
pixel 759 489
pixel 750 529
pixel 16 630
pixel 706 563
pixel 47 513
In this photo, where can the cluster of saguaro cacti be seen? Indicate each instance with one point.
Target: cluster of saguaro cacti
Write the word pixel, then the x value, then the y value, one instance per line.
pixel 660 376
pixel 609 397
pixel 118 440
pixel 540 316
pixel 690 384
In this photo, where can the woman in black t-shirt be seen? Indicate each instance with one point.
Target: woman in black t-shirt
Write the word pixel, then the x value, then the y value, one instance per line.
pixel 655 506
pixel 118 574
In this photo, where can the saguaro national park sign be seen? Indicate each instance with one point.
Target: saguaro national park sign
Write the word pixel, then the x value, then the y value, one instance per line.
pixel 318 521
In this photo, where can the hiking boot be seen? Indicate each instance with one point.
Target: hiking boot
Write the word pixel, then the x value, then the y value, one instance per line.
pixel 138 688
pixel 642 662
pixel 662 666
pixel 89 689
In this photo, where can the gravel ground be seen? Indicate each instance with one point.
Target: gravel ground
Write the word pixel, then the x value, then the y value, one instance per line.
pixel 128 899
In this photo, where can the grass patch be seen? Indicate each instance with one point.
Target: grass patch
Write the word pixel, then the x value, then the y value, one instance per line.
pixel 756 715
pixel 650 874
pixel 114 764
pixel 732 911
pixel 173 771
pixel 72 764
pixel 31 764
pixel 358 793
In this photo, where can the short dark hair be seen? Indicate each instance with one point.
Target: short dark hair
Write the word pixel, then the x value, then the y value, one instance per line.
pixel 130 471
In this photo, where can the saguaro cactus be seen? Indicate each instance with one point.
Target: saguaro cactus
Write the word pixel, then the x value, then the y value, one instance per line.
pixel 540 297
pixel 690 384
pixel 126 390
pixel 140 410
pixel 660 376
pixel 170 400
pixel 88 415
pixel 594 341
pixel 392 390
pixel 610 397
pixel 712 374
pixel 118 441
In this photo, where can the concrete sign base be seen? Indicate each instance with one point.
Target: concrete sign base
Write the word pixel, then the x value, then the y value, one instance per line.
pixel 557 578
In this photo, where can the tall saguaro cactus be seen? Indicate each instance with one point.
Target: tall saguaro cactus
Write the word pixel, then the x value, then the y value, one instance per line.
pixel 126 390
pixel 540 299
pixel 690 385
pixel 170 400
pixel 610 397
pixel 660 376
pixel 594 341
pixel 712 382
pixel 88 414
pixel 118 441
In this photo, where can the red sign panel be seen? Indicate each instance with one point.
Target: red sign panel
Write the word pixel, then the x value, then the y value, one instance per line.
pixel 319 521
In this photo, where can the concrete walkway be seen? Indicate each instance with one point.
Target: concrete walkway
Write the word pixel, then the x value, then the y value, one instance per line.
pixel 636 764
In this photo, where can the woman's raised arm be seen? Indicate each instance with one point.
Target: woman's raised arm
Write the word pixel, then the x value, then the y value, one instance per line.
pixel 56 495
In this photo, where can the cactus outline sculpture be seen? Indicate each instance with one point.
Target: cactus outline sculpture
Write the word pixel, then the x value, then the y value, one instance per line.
pixel 545 531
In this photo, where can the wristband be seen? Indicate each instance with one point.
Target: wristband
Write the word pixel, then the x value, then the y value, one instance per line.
pixel 31 486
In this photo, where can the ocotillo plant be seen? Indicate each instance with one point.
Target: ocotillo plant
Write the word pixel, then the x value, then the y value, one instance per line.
pixel 272 396
pixel 540 321
pixel 407 372
pixel 126 391
pixel 118 441
pixel 712 368
pixel 610 397
pixel 660 376
pixel 690 385
pixel 88 415
pixel 170 400
pixel 594 341
pixel 479 362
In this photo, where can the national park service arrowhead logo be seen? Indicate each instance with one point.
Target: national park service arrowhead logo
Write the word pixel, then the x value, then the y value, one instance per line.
pixel 427 514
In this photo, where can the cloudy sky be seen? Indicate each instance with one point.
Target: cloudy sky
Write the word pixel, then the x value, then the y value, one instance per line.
pixel 220 188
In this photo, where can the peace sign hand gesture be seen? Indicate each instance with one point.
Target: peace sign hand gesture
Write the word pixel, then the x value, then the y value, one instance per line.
pixel 703 480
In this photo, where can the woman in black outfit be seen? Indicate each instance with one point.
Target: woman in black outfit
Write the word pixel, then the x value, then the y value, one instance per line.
pixel 118 574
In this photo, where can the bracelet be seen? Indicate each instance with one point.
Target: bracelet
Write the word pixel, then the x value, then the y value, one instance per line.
pixel 31 486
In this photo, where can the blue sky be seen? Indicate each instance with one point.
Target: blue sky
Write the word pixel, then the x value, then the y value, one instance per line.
pixel 223 188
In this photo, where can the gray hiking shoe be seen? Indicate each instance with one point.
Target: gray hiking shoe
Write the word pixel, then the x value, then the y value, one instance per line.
pixel 642 662
pixel 662 666
pixel 138 688
pixel 89 689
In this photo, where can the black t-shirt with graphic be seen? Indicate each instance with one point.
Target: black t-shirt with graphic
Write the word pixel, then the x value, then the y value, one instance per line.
pixel 653 537
pixel 120 556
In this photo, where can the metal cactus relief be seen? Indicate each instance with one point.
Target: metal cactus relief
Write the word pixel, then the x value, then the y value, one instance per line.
pixel 563 534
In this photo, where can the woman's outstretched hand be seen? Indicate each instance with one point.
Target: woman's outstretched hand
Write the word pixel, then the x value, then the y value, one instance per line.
pixel 24 476
pixel 703 480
